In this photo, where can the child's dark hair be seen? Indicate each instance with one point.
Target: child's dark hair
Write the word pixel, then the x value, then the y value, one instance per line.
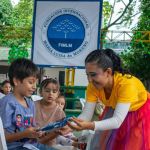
pixel 22 68
pixel 106 58
pixel 45 82
pixel 5 82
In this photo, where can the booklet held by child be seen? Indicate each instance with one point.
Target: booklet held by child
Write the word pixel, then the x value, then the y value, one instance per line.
pixel 55 125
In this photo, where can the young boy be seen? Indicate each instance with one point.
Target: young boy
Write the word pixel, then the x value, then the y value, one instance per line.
pixel 16 109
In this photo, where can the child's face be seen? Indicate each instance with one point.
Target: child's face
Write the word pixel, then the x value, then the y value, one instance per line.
pixel 6 88
pixel 50 92
pixel 61 102
pixel 25 87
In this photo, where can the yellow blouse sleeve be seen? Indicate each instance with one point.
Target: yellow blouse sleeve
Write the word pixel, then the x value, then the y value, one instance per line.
pixel 91 94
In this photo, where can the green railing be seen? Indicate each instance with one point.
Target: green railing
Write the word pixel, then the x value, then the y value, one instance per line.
pixel 74 87
pixel 73 95
pixel 73 112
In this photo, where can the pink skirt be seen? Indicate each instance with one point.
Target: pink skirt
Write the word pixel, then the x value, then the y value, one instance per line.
pixel 133 134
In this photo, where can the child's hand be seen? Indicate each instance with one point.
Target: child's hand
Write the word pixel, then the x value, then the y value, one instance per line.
pixel 40 134
pixel 31 132
pixel 43 134
pixel 47 136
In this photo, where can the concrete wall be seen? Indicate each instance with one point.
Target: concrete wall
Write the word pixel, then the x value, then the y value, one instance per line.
pixel 80 75
pixel 52 72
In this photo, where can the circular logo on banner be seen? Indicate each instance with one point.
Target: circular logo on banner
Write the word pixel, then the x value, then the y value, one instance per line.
pixel 66 33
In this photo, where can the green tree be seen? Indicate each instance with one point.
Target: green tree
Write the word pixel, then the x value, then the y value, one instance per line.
pixel 124 16
pixel 137 58
pixel 5 17
pixel 107 7
pixel 119 13
pixel 17 35
pixel 22 14
pixel 22 22
pixel 5 12
pixel 20 25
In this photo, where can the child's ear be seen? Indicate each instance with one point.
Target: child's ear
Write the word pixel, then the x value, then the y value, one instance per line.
pixel 15 81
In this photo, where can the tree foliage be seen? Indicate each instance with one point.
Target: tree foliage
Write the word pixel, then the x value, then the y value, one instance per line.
pixel 137 58
pixel 5 12
pixel 18 31
pixel 22 14
pixel 16 34
pixel 125 14
pixel 106 12
pixel 118 13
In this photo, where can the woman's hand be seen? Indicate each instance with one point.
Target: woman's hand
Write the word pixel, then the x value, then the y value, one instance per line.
pixel 64 130
pixel 81 124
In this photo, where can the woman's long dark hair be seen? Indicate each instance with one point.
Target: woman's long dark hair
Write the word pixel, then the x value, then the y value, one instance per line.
pixel 106 58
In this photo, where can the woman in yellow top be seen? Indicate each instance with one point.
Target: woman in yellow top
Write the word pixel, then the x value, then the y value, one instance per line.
pixel 126 122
